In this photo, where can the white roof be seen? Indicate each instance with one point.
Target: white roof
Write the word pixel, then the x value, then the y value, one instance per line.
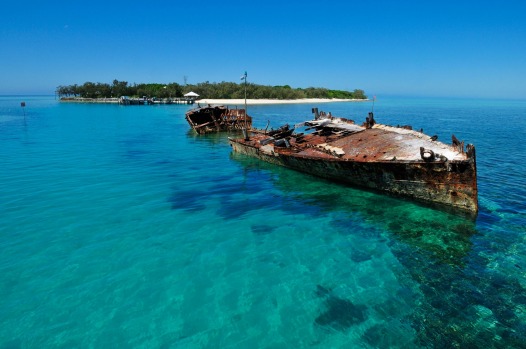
pixel 191 94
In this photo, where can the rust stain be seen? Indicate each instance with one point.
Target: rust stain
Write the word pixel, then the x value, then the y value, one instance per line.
pixel 394 160
pixel 217 119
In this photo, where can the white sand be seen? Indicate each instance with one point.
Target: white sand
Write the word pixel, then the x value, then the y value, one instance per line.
pixel 273 101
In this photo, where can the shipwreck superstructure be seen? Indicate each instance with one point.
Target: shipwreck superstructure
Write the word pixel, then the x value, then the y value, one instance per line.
pixel 394 160
pixel 217 119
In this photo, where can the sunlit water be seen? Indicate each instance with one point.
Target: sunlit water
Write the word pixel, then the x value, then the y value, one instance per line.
pixel 119 227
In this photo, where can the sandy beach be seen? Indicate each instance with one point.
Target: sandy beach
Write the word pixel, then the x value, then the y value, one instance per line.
pixel 274 101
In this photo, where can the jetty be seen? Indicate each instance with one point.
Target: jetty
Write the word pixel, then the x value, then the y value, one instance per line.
pixel 150 101
pixel 129 100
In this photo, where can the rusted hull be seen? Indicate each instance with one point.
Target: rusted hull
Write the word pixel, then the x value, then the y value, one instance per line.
pixel 217 119
pixel 450 184
pixel 394 160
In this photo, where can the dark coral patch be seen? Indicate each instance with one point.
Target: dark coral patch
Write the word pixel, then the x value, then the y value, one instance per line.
pixel 190 200
pixel 262 229
pixel 322 291
pixel 341 314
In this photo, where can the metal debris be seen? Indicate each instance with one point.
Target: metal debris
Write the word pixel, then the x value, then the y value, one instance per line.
pixel 217 119
pixel 394 160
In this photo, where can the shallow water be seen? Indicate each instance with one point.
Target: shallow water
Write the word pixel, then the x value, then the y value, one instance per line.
pixel 122 228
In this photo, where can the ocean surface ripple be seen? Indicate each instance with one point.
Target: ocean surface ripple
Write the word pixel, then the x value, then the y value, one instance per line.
pixel 122 228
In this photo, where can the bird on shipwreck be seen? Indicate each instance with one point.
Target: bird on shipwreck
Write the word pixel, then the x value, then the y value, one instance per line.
pixel 210 119
pixel 394 160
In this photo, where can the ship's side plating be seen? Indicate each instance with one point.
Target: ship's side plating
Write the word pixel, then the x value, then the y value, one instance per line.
pixel 449 183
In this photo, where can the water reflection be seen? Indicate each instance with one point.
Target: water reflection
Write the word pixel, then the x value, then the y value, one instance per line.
pixel 441 235
pixel 212 138
pixel 465 301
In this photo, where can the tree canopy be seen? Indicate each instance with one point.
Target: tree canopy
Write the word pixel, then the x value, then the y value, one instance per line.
pixel 221 90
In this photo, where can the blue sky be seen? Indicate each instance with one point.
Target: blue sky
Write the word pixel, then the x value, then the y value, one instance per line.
pixel 413 48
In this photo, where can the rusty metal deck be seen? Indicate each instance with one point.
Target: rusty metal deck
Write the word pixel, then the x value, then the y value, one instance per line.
pixel 395 160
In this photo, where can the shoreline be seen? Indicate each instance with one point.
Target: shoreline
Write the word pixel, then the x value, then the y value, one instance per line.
pixel 274 101
pixel 114 100
pixel 237 102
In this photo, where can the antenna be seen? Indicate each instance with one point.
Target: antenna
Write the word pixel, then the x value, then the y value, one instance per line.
pixel 244 77
pixel 246 112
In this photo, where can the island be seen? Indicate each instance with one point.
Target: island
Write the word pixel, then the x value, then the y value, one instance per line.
pixel 152 93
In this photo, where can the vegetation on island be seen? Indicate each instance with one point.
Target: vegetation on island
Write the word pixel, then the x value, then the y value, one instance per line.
pixel 221 90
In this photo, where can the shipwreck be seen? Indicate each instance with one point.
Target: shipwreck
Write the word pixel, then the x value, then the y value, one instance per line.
pixel 217 119
pixel 394 160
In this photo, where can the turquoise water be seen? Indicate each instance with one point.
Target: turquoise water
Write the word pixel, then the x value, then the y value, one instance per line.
pixel 120 227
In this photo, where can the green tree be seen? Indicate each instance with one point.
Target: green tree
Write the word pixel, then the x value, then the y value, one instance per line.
pixel 205 89
pixel 119 88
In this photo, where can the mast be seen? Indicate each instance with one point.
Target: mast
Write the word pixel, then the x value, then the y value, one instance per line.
pixel 244 77
pixel 246 112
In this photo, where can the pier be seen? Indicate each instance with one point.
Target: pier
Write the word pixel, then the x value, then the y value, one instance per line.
pixel 130 101
pixel 151 101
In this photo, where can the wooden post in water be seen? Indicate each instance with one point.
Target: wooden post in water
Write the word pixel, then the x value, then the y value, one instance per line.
pixel 23 105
